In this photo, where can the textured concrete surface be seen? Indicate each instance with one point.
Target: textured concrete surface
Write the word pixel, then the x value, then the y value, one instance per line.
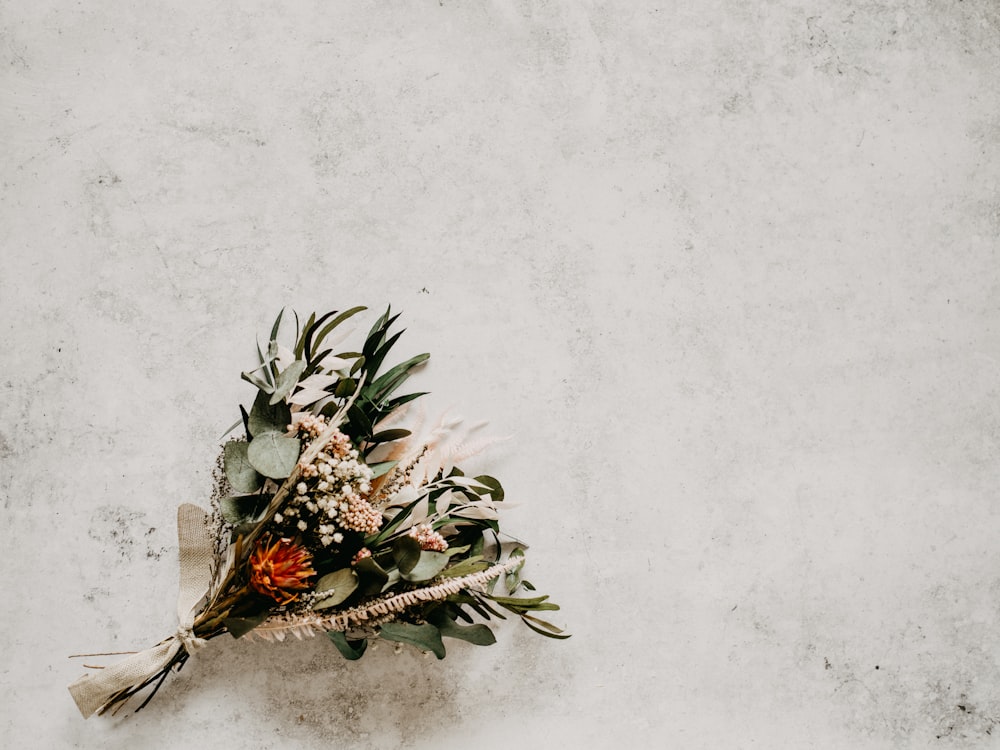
pixel 726 269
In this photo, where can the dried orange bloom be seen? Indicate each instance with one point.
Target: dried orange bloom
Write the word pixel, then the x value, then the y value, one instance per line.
pixel 280 570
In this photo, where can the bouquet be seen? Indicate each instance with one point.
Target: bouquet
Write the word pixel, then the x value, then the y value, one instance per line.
pixel 331 518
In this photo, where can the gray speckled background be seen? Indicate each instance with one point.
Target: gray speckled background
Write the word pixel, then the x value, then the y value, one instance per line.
pixel 726 270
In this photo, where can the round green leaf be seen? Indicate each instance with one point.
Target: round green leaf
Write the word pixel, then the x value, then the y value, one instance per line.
pixel 273 454
pixel 428 565
pixel 240 473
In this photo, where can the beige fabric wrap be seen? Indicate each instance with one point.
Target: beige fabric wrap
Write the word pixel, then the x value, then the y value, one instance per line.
pixel 92 691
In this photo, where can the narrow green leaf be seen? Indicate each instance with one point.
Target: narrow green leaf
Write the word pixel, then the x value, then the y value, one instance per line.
pixel 274 455
pixel 550 630
pixel 381 467
pixel 385 384
pixel 351 650
pixel 277 324
pixel 240 473
pixel 514 601
pixel 425 637
pixel 466 567
pixel 387 436
pixel 336 322
pixel 300 345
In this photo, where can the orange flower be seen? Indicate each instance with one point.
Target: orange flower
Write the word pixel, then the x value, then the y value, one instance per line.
pixel 280 570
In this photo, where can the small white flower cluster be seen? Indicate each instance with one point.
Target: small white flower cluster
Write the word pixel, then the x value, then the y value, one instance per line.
pixel 331 499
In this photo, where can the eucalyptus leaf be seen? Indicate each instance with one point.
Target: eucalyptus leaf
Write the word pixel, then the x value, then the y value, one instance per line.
pixel 351 650
pixel 241 509
pixel 267 417
pixel 274 455
pixel 478 634
pixel 337 585
pixel 240 473
pixel 392 578
pixel 406 551
pixel 372 576
pixel 428 565
pixel 286 381
pixel 425 637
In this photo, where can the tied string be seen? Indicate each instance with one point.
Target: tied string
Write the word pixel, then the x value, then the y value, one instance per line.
pixel 93 692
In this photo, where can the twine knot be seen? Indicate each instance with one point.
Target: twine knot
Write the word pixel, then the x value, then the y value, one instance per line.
pixel 190 642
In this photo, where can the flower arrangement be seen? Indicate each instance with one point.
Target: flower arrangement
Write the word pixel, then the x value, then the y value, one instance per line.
pixel 330 518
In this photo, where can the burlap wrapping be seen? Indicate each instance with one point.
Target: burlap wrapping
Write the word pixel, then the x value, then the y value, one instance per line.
pixel 92 691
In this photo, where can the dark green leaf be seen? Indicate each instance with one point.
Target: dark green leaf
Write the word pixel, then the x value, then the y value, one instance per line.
pixel 240 626
pixel 387 383
pixel 480 635
pixel 406 552
pixel 274 455
pixel 351 650
pixel 241 475
pixel 300 345
pixel 241 509
pixel 372 576
pixel 334 323
pixel 387 436
pixel 494 487
pixel 425 637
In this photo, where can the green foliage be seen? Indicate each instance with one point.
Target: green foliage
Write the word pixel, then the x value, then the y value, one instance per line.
pixel 240 626
pixel 274 455
pixel 243 509
pixel 428 565
pixel 479 634
pixel 286 381
pixel 350 649
pixel 336 587
pixel 239 471
pixel 267 417
pixel 425 637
